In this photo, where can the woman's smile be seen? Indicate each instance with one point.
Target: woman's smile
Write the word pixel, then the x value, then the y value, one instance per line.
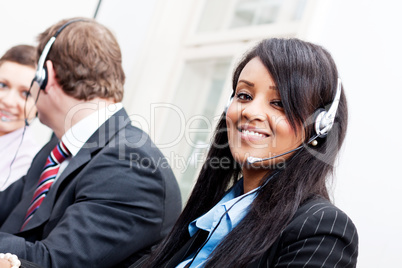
pixel 252 134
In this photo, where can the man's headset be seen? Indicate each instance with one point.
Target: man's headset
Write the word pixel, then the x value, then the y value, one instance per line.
pixel 39 81
pixel 41 71
pixel 323 123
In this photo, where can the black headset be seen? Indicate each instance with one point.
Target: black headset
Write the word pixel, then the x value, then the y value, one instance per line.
pixel 41 71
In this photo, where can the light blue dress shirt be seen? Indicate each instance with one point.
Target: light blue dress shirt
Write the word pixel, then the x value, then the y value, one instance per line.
pixel 209 221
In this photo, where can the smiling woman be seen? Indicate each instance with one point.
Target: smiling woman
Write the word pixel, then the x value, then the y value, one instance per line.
pixel 257 123
pixel 17 69
pixel 274 212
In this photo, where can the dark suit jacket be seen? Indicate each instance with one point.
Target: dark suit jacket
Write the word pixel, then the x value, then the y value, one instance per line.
pixel 116 198
pixel 319 235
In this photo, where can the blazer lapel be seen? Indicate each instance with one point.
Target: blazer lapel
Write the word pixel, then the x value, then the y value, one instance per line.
pixel 95 143
pixel 44 211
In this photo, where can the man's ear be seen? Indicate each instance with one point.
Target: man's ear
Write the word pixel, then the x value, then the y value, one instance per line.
pixel 51 75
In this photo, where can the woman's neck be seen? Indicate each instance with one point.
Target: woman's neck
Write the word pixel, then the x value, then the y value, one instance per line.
pixel 252 178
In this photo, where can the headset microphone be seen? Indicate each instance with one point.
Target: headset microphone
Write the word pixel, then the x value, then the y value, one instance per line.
pixel 323 124
pixel 252 159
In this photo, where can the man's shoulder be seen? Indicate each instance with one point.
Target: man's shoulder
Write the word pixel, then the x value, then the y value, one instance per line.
pixel 118 133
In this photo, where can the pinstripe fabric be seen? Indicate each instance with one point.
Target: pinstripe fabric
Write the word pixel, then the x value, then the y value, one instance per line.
pixel 320 235
pixel 47 177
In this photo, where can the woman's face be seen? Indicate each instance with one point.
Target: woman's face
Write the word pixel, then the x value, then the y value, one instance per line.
pixel 256 121
pixel 15 80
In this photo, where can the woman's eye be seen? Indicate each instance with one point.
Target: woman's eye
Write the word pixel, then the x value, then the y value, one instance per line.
pixel 2 85
pixel 25 94
pixel 277 103
pixel 243 96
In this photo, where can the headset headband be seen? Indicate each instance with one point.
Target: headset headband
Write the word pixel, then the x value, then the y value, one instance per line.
pixel 41 74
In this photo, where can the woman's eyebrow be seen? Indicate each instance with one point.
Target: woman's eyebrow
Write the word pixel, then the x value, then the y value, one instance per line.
pixel 251 84
pixel 246 82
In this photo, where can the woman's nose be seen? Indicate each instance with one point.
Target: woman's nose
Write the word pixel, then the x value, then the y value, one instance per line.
pixel 9 97
pixel 255 110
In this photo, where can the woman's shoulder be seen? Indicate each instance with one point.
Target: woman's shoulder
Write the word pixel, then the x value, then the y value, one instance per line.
pixel 319 218
pixel 320 214
pixel 316 205
pixel 319 234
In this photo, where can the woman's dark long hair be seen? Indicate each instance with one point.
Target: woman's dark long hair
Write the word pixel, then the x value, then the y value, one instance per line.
pixel 306 77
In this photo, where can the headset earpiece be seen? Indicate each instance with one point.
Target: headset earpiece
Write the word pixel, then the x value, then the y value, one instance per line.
pixel 45 77
pixel 325 119
pixel 318 115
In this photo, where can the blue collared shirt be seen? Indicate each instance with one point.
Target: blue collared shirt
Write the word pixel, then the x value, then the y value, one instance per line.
pixel 209 221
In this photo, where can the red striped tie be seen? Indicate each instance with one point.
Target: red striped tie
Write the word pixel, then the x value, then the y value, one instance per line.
pixel 48 176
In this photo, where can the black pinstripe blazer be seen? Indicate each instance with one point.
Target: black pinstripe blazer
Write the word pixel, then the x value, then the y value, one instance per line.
pixel 319 235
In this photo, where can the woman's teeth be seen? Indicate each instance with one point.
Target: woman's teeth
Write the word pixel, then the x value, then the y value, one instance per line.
pixel 252 133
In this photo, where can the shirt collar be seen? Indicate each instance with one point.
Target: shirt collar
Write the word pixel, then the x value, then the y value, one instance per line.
pixel 78 135
pixel 234 201
pixel 238 206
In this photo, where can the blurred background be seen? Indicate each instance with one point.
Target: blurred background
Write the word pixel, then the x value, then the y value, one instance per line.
pixel 178 56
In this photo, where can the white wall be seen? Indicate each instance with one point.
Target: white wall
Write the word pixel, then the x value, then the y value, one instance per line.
pixel 129 20
pixel 365 39
pixel 22 20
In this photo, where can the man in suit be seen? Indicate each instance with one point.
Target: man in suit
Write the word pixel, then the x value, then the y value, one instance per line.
pixel 104 194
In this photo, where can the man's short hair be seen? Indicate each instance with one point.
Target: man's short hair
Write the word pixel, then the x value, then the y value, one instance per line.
pixel 86 58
